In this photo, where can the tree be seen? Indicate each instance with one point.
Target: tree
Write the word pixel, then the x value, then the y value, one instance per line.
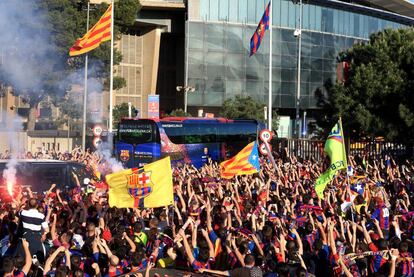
pixel 121 111
pixel 242 107
pixel 377 98
pixel 36 37
pixel 179 113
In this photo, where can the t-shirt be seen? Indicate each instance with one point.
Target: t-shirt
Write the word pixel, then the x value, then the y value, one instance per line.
pixel 247 272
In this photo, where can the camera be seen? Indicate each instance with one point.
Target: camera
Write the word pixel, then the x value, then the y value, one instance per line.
pixel 297 33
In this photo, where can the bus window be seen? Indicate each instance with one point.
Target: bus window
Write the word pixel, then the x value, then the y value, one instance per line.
pixel 191 133
pixel 137 132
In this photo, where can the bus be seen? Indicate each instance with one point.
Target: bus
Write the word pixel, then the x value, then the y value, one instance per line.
pixel 185 140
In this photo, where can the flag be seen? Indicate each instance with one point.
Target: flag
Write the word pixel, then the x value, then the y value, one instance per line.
pixel 260 31
pixel 244 163
pixel 359 188
pixel 150 186
pixel 335 148
pixel 100 32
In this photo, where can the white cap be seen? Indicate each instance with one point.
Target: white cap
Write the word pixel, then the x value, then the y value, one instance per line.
pixel 86 181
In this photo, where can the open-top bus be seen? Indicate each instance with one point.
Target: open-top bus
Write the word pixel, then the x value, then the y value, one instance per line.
pixel 185 140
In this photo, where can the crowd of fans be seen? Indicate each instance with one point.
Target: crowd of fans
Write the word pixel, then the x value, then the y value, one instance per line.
pixel 268 224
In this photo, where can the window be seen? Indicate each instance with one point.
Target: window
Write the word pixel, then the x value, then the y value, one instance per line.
pixel 142 131
pixel 190 133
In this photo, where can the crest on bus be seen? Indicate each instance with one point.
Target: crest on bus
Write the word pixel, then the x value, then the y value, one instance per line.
pixel 124 155
pixel 139 183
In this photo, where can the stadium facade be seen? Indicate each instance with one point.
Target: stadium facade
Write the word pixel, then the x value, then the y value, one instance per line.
pixel 216 60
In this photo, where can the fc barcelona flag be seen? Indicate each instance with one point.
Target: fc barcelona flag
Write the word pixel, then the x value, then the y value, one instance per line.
pixel 150 186
pixel 260 31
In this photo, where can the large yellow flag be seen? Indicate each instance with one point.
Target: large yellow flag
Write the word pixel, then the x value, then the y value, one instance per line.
pixel 150 186
pixel 99 33
pixel 335 148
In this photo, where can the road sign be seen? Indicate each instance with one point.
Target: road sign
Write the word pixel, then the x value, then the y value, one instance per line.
pixel 263 148
pixel 266 135
pixel 97 130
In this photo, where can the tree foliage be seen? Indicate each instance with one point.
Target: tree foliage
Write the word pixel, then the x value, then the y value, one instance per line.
pixel 179 113
pixel 245 107
pixel 121 111
pixel 377 98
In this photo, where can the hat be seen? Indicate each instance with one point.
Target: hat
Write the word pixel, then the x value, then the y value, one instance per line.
pixel 106 235
pixel 86 181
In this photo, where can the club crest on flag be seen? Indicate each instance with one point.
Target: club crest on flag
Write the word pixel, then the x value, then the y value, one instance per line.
pixel 139 183
pixel 124 155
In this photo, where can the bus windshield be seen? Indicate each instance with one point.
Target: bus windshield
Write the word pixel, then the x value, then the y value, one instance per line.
pixel 137 132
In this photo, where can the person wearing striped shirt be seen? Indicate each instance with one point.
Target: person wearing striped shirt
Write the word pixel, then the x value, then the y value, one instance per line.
pixel 32 223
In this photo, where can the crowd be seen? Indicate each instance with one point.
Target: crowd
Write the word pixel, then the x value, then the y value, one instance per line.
pixel 268 224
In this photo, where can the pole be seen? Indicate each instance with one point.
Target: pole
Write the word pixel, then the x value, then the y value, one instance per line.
pixel 269 124
pixel 186 65
pixel 85 94
pixel 69 132
pixel 111 73
pixel 129 109
pixel 299 68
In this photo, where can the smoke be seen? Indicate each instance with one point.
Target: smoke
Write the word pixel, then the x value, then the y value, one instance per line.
pixel 29 56
pixel 110 163
pixel 14 128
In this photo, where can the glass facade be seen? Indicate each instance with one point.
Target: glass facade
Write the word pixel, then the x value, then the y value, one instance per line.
pixel 219 66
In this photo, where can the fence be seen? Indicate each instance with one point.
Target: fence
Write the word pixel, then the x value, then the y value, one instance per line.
pixel 374 149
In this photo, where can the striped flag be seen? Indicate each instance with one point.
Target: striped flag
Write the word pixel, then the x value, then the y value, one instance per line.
pixel 246 162
pixel 100 32
pixel 260 31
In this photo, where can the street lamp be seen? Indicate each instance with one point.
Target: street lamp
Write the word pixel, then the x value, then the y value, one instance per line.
pixel 298 33
pixel 185 89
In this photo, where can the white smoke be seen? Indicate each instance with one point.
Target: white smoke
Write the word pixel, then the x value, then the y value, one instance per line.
pixel 14 129
pixel 111 164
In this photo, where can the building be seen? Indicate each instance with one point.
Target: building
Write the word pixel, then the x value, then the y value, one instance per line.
pixel 215 58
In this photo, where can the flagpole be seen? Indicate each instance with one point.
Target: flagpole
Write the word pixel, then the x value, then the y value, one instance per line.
pixel 111 75
pixel 346 165
pixel 269 124
pixel 85 95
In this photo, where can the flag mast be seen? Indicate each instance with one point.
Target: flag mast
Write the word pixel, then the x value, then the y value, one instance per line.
pixel 269 124
pixel 85 96
pixel 111 75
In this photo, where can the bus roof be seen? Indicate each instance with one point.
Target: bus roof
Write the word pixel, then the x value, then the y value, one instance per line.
pixel 194 119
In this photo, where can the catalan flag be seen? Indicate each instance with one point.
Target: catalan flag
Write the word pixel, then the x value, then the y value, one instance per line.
pixel 335 148
pixel 150 186
pixel 99 33
pixel 260 31
pixel 244 163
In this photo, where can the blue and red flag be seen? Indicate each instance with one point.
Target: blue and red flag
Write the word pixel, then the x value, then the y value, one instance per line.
pixel 260 31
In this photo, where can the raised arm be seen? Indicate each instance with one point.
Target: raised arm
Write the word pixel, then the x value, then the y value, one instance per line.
pixel 27 257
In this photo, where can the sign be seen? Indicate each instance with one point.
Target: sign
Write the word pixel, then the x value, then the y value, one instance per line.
pixel 209 115
pixel 266 136
pixel 263 149
pixel 97 142
pixel 153 106
pixel 97 130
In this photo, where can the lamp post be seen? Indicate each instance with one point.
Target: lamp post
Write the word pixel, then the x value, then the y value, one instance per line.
pixel 186 90
pixel 298 34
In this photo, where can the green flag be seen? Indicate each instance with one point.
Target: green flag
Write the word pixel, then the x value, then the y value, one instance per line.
pixel 335 148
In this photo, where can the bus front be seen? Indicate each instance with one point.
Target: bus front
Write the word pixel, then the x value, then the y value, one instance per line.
pixel 138 142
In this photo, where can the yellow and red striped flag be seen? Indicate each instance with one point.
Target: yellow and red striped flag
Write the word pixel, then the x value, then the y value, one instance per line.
pixel 246 162
pixel 100 32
